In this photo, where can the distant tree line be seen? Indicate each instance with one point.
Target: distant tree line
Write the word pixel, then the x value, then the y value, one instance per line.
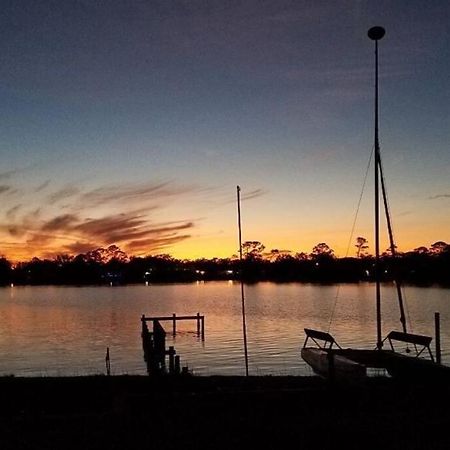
pixel 111 266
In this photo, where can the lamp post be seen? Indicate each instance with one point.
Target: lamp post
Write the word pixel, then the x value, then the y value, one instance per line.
pixel 375 34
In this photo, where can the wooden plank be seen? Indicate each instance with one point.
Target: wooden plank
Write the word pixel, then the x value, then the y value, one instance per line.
pixel 315 334
pixel 410 338
pixel 148 319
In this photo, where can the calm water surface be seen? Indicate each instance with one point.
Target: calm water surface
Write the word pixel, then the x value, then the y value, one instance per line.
pixel 65 330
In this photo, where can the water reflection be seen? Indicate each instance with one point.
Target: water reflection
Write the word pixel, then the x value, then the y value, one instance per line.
pixel 66 330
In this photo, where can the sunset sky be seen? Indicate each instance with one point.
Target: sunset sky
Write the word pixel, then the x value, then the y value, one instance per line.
pixel 131 123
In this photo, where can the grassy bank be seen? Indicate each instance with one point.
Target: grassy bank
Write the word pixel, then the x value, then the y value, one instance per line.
pixel 220 412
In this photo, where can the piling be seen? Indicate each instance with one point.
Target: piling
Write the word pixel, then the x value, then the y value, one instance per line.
pixel 203 328
pixel 171 353
pixel 174 324
pixel 198 324
pixel 108 362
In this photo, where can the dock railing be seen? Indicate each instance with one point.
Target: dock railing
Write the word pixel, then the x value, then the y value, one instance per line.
pixel 199 319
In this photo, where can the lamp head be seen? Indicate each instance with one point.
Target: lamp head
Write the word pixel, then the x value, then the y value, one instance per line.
pixel 376 33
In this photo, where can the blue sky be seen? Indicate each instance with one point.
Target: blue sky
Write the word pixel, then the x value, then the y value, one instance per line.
pixel 160 108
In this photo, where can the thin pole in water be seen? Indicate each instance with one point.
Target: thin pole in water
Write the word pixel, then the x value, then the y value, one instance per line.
pixel 108 362
pixel 244 326
pixel 375 34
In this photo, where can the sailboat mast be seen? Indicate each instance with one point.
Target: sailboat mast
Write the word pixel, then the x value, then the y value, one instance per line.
pixel 244 326
pixel 376 33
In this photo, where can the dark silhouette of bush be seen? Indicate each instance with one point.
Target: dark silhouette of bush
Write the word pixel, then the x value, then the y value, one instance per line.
pixel 111 266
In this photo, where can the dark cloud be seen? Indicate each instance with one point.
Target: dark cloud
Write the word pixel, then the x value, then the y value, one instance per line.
pixel 102 228
pixel 79 230
pixel 143 235
pixel 134 232
pixel 4 188
pixel 80 247
pixel 63 222
pixel 154 244
pixel 16 230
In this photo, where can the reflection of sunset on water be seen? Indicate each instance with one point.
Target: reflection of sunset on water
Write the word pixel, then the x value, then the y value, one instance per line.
pixel 65 330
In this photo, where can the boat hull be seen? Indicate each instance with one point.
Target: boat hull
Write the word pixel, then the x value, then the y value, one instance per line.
pixel 328 363
pixel 353 363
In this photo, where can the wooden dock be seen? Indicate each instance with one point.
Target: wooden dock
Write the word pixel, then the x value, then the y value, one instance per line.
pixel 198 318
pixel 154 343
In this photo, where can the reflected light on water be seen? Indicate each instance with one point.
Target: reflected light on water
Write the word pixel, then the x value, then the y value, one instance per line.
pixel 66 330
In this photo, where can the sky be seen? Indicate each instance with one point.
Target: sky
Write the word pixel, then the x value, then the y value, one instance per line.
pixel 132 122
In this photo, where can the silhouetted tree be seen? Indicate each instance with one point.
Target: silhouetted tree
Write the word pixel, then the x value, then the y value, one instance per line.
pixel 5 271
pixel 322 250
pixel 361 246
pixel 252 250
pixel 104 255
pixel 388 252
pixel 439 247
pixel 302 256
pixel 106 265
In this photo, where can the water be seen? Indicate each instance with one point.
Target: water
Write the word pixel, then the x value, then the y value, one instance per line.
pixel 65 330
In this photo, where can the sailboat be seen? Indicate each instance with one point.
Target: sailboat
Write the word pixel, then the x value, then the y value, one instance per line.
pixel 326 357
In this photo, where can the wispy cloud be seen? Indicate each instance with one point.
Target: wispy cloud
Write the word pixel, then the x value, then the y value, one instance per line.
pixel 8 174
pixel 156 244
pixel 131 193
pixel 4 188
pixel 62 194
pixel 11 212
pixel 245 195
pixel 91 220
pixel 42 186
pixel 253 194
pixel 434 197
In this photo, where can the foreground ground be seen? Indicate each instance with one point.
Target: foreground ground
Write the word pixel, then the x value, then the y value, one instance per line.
pixel 221 413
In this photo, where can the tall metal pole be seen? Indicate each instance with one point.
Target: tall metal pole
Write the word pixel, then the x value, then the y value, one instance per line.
pixel 244 326
pixel 376 33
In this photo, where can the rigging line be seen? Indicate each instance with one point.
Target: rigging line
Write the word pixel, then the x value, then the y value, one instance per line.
pixel 407 312
pixel 400 292
pixel 351 234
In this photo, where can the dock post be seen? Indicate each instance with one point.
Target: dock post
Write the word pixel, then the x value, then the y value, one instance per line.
pixel 177 365
pixel 174 332
pixel 203 328
pixel 437 326
pixel 171 360
pixel 108 362
pixel 198 324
